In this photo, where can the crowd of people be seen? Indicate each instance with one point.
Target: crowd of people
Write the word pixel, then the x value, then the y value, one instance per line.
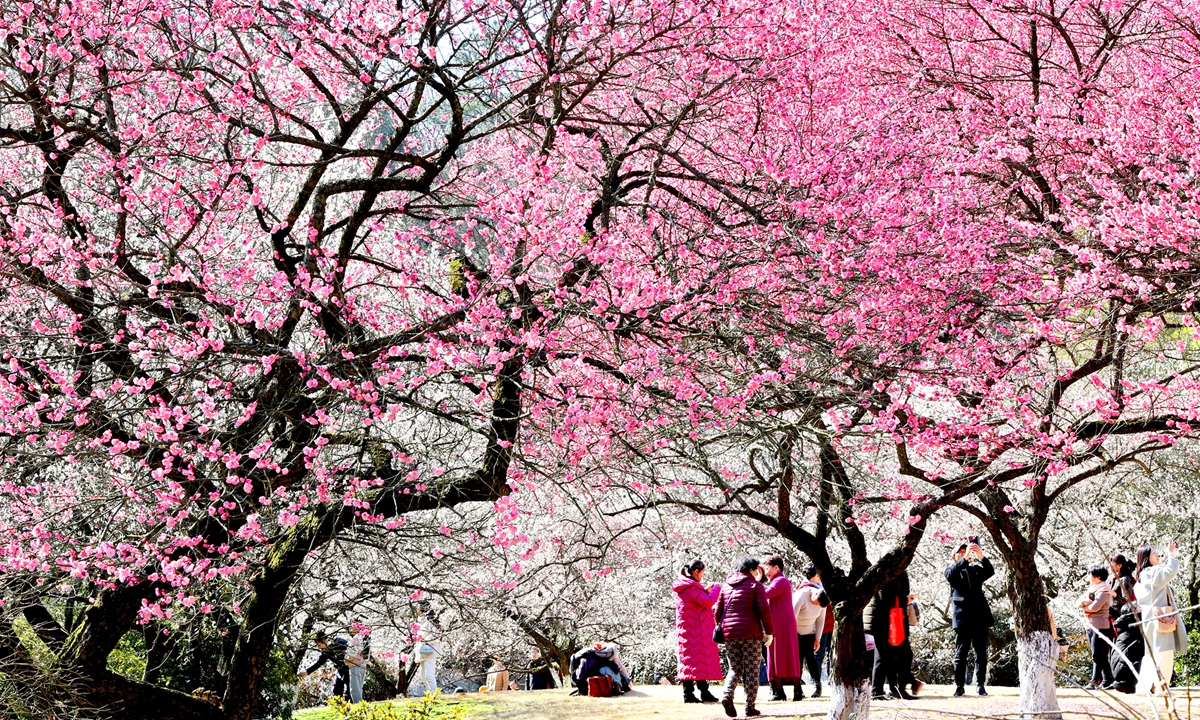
pixel 774 629
pixel 1134 627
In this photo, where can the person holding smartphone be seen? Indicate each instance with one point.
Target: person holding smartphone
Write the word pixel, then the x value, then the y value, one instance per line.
pixel 972 615
pixel 1162 624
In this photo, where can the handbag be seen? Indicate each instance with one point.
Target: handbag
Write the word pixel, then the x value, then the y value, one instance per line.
pixel 1166 615
pixel 896 625
pixel 719 632
pixel 427 650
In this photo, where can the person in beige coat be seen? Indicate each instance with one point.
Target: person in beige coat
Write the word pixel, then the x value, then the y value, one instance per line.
pixel 497 677
pixel 1154 596
pixel 810 604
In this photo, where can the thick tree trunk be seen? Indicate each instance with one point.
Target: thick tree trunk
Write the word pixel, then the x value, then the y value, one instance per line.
pixel 850 682
pixel 104 622
pixel 1038 649
pixel 253 650
pixel 131 700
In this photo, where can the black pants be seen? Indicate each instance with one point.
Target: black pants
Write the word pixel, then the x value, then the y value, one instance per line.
pixel 1101 670
pixel 341 684
pixel 808 658
pixel 691 686
pixel 888 660
pixel 965 640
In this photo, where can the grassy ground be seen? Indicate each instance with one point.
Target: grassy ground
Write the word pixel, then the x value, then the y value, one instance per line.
pixel 653 702
pixel 473 704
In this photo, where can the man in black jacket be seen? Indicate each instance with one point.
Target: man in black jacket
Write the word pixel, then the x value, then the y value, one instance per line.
pixel 972 616
pixel 334 653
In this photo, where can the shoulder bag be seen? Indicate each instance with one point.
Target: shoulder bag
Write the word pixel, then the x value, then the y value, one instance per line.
pixel 719 632
pixel 1166 616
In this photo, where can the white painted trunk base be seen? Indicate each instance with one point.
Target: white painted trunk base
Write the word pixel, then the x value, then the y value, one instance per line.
pixel 847 702
pixel 1037 658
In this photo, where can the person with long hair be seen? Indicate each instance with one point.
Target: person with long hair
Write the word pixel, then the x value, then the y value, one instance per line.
pixel 1129 646
pixel 699 657
pixel 1121 575
pixel 745 617
pixel 1162 623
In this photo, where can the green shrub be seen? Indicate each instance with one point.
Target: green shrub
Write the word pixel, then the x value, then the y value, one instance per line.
pixel 1187 665
pixel 427 708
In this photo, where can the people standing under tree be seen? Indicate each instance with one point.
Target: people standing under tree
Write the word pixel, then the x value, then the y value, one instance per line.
pixel 810 605
pixel 332 651
pixel 358 653
pixel 1162 624
pixel 972 616
pixel 1096 603
pixel 745 621
pixel 886 618
pixel 913 613
pixel 783 656
pixel 699 656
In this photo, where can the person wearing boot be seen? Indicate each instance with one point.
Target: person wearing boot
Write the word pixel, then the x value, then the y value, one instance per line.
pixel 783 656
pixel 810 604
pixel 744 614
pixel 972 619
pixel 699 657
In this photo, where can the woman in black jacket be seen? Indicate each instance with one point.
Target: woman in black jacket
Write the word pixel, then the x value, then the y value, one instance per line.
pixel 1129 642
pixel 893 663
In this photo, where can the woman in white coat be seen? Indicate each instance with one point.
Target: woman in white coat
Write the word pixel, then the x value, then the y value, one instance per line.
pixel 1153 594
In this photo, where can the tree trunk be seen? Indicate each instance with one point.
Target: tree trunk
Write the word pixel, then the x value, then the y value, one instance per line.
pixel 1037 648
pixel 850 682
pixel 132 700
pixel 257 637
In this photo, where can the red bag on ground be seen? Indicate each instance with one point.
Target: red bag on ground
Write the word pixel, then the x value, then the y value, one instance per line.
pixel 896 625
pixel 600 686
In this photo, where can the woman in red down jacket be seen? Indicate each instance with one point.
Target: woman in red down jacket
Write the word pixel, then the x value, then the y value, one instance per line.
pixel 699 658
pixel 745 618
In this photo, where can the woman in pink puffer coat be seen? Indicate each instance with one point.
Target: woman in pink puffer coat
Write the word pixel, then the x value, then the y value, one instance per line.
pixel 699 658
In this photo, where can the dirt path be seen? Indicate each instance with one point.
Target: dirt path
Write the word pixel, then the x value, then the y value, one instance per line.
pixel 650 701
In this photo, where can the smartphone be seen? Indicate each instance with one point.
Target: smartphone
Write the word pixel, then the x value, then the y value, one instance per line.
pixel 973 540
